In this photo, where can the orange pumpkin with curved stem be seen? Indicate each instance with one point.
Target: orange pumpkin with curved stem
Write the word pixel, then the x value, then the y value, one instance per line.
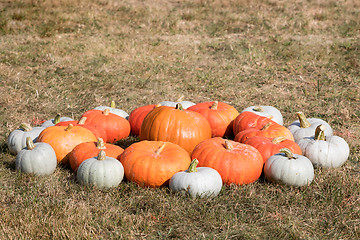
pixel 236 162
pixel 88 150
pixel 137 116
pixel 220 116
pixel 116 127
pixel 271 130
pixel 247 120
pixel 63 139
pixel 271 146
pixel 153 163
pixel 183 127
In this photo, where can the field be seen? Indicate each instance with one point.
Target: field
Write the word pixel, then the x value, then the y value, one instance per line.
pixel 68 56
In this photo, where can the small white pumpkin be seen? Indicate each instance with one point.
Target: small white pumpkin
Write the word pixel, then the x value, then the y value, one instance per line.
pixel 288 168
pixel 184 104
pixel 56 120
pixel 267 111
pixel 327 152
pixel 17 138
pixel 305 127
pixel 198 182
pixel 38 158
pixel 114 110
pixel 100 171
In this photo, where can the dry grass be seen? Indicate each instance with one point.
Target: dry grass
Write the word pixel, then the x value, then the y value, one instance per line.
pixel 69 56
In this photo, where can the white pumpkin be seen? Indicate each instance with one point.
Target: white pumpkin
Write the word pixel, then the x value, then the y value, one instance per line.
pixel 327 152
pixel 56 120
pixel 184 104
pixel 114 110
pixel 198 182
pixel 267 111
pixel 305 127
pixel 100 171
pixel 288 168
pixel 38 158
pixel 17 138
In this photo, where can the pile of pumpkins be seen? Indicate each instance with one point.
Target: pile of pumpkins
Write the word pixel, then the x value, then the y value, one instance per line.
pixel 193 148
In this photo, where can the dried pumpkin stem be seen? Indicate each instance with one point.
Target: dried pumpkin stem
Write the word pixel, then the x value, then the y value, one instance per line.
pixel 193 164
pixel 320 132
pixel 106 111
pixel 180 99
pixel 215 105
pixel 29 143
pixel 228 145
pixel 57 119
pixel 82 121
pixel 112 104
pixel 304 123
pixel 158 105
pixel 101 156
pixel 100 144
pixel 266 127
pixel 160 149
pixel 258 109
pixel 26 127
pixel 287 153
pixel 179 106
pixel 69 127
pixel 278 140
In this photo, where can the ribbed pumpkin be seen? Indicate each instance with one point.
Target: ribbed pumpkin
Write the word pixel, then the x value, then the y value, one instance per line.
pixel 183 127
pixel 116 127
pixel 271 130
pixel 247 120
pixel 270 146
pixel 63 139
pixel 137 117
pixel 153 163
pixel 220 116
pixel 87 150
pixel 236 162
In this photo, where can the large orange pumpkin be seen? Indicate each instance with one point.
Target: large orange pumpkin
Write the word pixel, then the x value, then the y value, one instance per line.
pixel 220 116
pixel 236 162
pixel 63 139
pixel 183 127
pixel 137 116
pixel 153 163
pixel 271 146
pixel 88 150
pixel 247 120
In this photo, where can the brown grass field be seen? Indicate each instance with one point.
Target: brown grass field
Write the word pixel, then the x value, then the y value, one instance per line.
pixel 68 56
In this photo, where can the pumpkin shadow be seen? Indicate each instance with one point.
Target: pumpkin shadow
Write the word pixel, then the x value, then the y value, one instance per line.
pixel 4 148
pixel 126 142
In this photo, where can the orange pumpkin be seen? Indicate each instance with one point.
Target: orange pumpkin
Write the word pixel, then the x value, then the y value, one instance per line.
pixel 271 130
pixel 88 150
pixel 116 127
pixel 236 162
pixel 271 146
pixel 247 120
pixel 183 127
pixel 220 116
pixel 153 163
pixel 63 139
pixel 137 116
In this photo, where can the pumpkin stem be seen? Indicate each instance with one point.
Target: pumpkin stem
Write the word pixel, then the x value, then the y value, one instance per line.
pixel 258 109
pixel 106 111
pixel 160 149
pixel 215 105
pixel 29 143
pixel 228 145
pixel 158 105
pixel 26 127
pixel 101 156
pixel 180 99
pixel 57 119
pixel 266 127
pixel 278 140
pixel 304 123
pixel 69 127
pixel 82 121
pixel 320 133
pixel 287 153
pixel 179 106
pixel 100 144
pixel 193 164
pixel 112 104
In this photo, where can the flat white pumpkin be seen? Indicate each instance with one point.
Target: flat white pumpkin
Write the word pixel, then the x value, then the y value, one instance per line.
pixel 327 152
pixel 100 171
pixel 56 120
pixel 114 110
pixel 184 104
pixel 198 182
pixel 288 168
pixel 38 158
pixel 267 111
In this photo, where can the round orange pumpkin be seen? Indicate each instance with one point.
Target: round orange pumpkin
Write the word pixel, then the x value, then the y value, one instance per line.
pixel 236 162
pixel 220 116
pixel 63 139
pixel 137 116
pixel 153 163
pixel 183 127
pixel 247 120
pixel 88 150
